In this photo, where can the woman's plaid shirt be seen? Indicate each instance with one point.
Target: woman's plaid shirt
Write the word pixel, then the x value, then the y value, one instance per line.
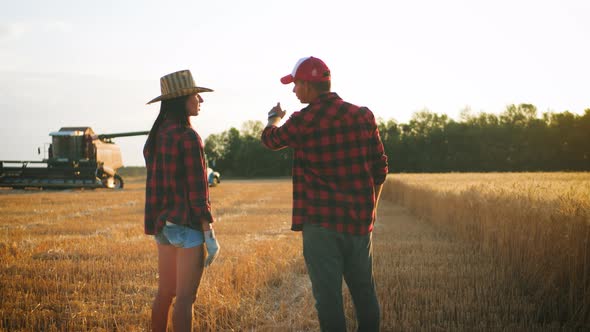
pixel 176 188
pixel 338 161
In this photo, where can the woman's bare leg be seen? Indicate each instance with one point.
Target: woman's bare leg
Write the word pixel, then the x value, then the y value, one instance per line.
pixel 189 270
pixel 166 287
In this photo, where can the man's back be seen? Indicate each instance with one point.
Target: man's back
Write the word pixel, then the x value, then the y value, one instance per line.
pixel 338 159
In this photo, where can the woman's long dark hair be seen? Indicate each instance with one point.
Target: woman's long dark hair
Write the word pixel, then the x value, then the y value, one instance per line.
pixel 173 109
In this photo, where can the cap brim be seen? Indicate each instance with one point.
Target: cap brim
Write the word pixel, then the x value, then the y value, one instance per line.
pixel 184 92
pixel 287 79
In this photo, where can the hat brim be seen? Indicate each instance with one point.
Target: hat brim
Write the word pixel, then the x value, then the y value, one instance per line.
pixel 180 93
pixel 287 79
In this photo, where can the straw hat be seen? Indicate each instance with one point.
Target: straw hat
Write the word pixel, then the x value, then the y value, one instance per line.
pixel 178 84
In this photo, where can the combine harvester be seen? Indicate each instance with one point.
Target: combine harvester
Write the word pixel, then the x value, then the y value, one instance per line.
pixel 77 158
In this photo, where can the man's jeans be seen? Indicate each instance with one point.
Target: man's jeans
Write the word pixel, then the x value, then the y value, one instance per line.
pixel 329 256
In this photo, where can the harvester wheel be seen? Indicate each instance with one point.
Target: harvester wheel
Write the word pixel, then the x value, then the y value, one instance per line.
pixel 215 181
pixel 113 182
pixel 118 184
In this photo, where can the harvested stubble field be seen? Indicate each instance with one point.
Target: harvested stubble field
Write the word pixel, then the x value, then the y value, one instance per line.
pixel 78 260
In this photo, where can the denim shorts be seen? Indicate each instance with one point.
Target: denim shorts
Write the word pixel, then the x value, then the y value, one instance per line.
pixel 179 236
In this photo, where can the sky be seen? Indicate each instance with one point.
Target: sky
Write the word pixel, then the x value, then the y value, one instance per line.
pixel 78 63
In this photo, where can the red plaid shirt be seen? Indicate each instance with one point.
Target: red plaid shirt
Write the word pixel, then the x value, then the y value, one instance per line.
pixel 176 187
pixel 338 160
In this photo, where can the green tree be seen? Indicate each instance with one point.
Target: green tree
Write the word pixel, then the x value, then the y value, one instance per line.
pixel 515 140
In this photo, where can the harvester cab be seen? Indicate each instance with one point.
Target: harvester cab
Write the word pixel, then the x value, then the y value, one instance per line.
pixel 76 158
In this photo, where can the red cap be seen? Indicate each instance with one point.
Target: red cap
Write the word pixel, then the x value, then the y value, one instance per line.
pixel 308 69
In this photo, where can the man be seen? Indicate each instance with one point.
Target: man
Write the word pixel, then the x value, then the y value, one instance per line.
pixel 339 167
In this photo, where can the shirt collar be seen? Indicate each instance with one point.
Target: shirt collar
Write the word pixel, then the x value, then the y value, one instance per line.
pixel 328 96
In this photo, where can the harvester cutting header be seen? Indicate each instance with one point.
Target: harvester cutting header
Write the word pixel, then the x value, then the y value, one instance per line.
pixel 76 158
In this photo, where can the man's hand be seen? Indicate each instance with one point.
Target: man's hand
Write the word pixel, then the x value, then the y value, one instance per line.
pixel 275 115
pixel 212 246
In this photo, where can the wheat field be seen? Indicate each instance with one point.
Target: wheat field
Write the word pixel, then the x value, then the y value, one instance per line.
pixel 535 225
pixel 78 260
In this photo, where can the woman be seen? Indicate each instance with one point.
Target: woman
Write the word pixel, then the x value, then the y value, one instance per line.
pixel 177 207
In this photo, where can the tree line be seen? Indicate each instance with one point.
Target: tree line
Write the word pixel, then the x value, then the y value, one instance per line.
pixel 516 140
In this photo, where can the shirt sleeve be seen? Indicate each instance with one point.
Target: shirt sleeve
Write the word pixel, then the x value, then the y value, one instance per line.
pixel 277 138
pixel 196 176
